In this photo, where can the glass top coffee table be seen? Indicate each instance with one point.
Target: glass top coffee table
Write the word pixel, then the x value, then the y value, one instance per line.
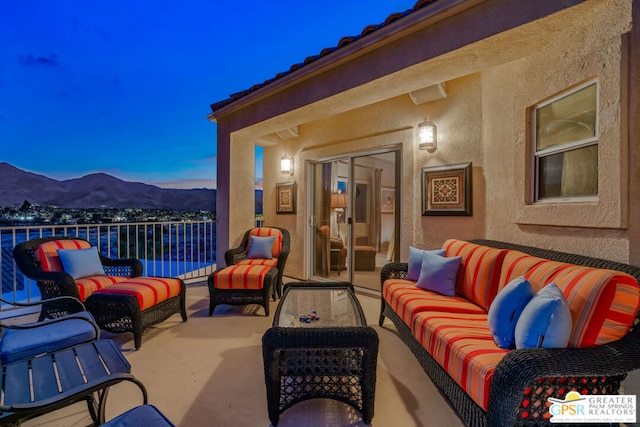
pixel 320 347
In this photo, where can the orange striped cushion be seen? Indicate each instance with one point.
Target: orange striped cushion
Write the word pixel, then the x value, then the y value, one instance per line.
pixel 273 262
pixel 241 277
pixel 545 272
pixel 406 300
pixel 603 303
pixel 88 285
pixel 47 253
pixel 463 345
pixel 149 291
pixel 516 264
pixel 479 273
pixel 266 232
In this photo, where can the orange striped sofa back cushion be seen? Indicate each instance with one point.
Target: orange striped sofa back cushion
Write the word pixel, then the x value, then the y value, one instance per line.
pixel 267 232
pixel 603 303
pixel 479 273
pixel 47 253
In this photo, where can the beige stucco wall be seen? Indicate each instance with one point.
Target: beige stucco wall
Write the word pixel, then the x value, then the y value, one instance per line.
pixel 591 228
pixel 483 120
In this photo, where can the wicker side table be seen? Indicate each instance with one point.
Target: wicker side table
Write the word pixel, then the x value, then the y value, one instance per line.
pixel 334 357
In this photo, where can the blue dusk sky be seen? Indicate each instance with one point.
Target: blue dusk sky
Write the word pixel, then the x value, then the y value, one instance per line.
pixel 124 86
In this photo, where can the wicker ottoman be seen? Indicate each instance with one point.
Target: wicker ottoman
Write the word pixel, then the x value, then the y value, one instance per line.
pixel 242 284
pixel 364 258
pixel 136 304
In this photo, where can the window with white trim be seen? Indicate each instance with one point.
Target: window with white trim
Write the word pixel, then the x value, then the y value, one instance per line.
pixel 565 133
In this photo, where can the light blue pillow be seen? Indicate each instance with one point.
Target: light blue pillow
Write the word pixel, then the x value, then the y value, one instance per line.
pixel 260 247
pixel 81 262
pixel 415 261
pixel 438 273
pixel 506 308
pixel 545 321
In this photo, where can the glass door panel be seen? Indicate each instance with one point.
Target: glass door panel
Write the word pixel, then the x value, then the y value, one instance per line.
pixel 374 221
pixel 354 222
pixel 327 222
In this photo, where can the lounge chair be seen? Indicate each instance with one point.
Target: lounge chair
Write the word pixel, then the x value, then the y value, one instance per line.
pixel 20 341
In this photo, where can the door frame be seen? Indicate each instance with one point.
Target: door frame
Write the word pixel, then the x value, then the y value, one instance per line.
pixel 349 235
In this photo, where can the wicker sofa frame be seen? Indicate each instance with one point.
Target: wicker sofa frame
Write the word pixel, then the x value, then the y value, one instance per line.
pixel 523 377
pixel 113 312
pixel 234 255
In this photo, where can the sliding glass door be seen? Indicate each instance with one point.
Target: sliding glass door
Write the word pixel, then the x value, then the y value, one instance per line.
pixel 354 223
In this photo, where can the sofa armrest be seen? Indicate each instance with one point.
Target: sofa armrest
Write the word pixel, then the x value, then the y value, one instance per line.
pixel 521 369
pixel 394 270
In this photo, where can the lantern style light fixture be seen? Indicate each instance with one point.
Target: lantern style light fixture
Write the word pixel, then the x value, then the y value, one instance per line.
pixel 427 136
pixel 286 165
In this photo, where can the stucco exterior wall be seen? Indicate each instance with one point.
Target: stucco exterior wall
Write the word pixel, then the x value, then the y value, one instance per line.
pixel 491 85
pixel 509 90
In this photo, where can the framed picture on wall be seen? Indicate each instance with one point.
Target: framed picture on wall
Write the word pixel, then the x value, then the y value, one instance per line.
pixel 286 197
pixel 387 199
pixel 447 190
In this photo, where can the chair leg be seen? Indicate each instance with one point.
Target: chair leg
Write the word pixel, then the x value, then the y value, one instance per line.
pixel 94 408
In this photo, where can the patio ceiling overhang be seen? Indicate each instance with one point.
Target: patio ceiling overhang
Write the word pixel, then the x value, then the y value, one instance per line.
pixel 442 41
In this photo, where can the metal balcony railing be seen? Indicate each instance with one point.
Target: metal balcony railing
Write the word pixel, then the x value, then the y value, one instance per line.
pixel 172 249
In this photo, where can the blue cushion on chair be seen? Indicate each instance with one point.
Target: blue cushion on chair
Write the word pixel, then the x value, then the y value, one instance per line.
pixel 261 247
pixel 81 262
pixel 415 261
pixel 49 335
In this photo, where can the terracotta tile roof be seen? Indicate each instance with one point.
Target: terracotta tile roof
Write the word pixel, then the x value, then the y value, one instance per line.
pixel 344 41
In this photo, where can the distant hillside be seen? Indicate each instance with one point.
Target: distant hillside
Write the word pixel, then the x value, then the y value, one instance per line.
pixel 95 191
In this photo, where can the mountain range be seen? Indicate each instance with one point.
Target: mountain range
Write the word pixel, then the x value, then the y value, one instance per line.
pixel 98 190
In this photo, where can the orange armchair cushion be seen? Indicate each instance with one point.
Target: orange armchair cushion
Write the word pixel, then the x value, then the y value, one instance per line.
pixel 149 291
pixel 266 232
pixel 47 253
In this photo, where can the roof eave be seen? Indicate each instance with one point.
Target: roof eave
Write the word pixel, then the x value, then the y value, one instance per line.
pixel 415 21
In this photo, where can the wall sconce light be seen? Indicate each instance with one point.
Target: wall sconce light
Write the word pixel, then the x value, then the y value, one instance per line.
pixel 286 165
pixel 427 136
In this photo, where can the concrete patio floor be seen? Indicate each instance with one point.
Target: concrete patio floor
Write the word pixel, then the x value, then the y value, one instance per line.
pixel 208 372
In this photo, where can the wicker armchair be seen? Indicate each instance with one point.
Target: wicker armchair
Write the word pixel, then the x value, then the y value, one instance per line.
pixel 114 298
pixel 58 283
pixel 239 254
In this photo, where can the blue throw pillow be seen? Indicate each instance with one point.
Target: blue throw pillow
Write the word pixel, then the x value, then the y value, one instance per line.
pixel 415 261
pixel 81 262
pixel 545 321
pixel 438 273
pixel 506 308
pixel 260 247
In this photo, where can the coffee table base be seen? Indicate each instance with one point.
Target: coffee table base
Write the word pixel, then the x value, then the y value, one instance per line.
pixel 308 363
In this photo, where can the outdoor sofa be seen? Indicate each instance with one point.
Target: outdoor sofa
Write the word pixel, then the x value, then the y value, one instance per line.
pixel 492 386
